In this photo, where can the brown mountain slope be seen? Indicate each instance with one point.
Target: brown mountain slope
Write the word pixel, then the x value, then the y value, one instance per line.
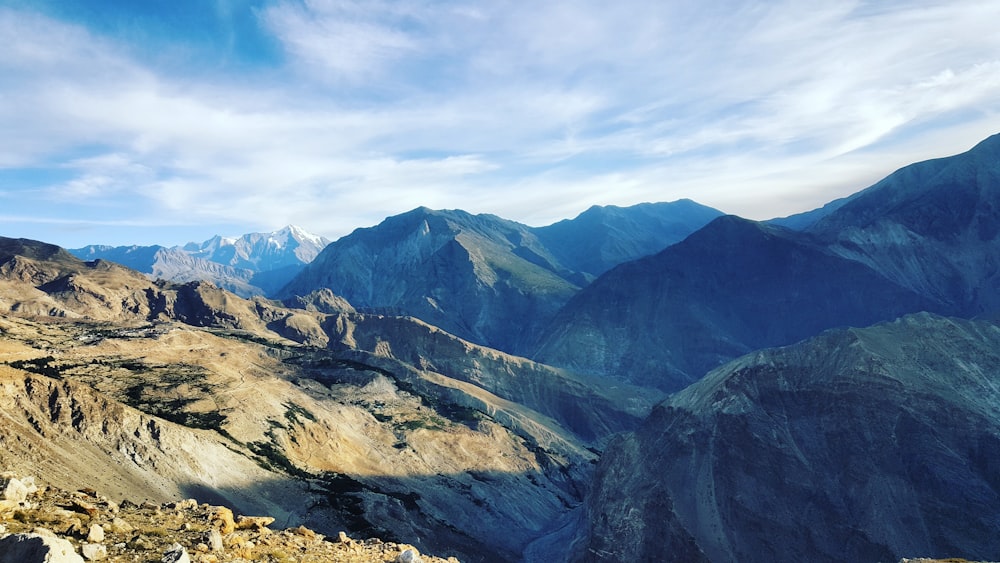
pixel 374 425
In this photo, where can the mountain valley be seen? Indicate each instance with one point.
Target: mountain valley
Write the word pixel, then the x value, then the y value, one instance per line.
pixel 655 382
pixel 379 425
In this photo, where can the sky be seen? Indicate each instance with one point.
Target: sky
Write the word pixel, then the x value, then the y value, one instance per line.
pixel 169 121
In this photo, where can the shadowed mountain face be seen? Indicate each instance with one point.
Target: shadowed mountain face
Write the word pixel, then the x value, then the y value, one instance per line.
pixel 858 445
pixel 732 287
pixel 480 277
pixel 933 227
pixel 486 279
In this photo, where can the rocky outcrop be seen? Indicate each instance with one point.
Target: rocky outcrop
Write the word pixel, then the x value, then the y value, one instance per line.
pixel 36 548
pixel 858 445
pixel 53 525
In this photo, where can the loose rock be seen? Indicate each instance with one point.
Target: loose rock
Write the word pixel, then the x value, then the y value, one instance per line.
pixel 94 552
pixel 409 556
pixel 15 491
pixel 223 518
pixel 176 554
pixel 96 534
pixel 213 539
pixel 258 522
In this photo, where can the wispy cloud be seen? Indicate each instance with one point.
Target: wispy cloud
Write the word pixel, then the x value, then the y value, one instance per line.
pixel 532 111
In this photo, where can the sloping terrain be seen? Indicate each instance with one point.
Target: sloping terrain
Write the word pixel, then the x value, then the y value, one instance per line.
pixel 926 238
pixel 375 425
pixel 858 445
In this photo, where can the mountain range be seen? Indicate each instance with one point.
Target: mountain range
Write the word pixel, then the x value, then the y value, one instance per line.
pixel 252 264
pixel 656 382
pixel 923 239
pixel 487 279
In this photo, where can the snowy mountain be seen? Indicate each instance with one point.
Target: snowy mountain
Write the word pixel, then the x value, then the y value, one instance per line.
pixel 253 264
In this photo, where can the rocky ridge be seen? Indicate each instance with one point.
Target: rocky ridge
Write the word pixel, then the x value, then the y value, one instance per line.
pixel 730 288
pixel 858 445
pixel 96 528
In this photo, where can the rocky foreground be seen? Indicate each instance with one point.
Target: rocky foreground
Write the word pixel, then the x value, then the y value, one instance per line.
pixel 40 523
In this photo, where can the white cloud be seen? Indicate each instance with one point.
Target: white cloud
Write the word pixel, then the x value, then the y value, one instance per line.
pixel 342 40
pixel 530 111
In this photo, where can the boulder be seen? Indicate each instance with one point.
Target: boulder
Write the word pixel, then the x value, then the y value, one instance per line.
pixel 34 548
pixel 94 552
pixel 409 556
pixel 14 490
pixel 176 554
pixel 95 534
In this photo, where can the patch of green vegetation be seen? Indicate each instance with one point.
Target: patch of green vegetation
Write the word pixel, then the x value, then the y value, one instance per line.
pixel 42 366
pixel 173 410
pixel 429 423
pixel 251 337
pixel 152 391
pixel 97 333
pixel 454 412
pixel 293 413
pixel 270 457
pixel 205 420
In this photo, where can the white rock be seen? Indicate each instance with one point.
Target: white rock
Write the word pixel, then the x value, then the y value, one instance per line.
pixel 15 491
pixel 33 548
pixel 96 534
pixel 94 551
pixel 176 554
pixel 409 556
pixel 29 483
pixel 120 526
pixel 214 540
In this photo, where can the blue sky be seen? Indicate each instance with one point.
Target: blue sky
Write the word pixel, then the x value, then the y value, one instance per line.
pixel 167 121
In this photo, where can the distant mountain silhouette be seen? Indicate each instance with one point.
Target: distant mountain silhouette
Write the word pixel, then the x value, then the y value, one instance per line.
pixel 253 264
pixel 600 238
